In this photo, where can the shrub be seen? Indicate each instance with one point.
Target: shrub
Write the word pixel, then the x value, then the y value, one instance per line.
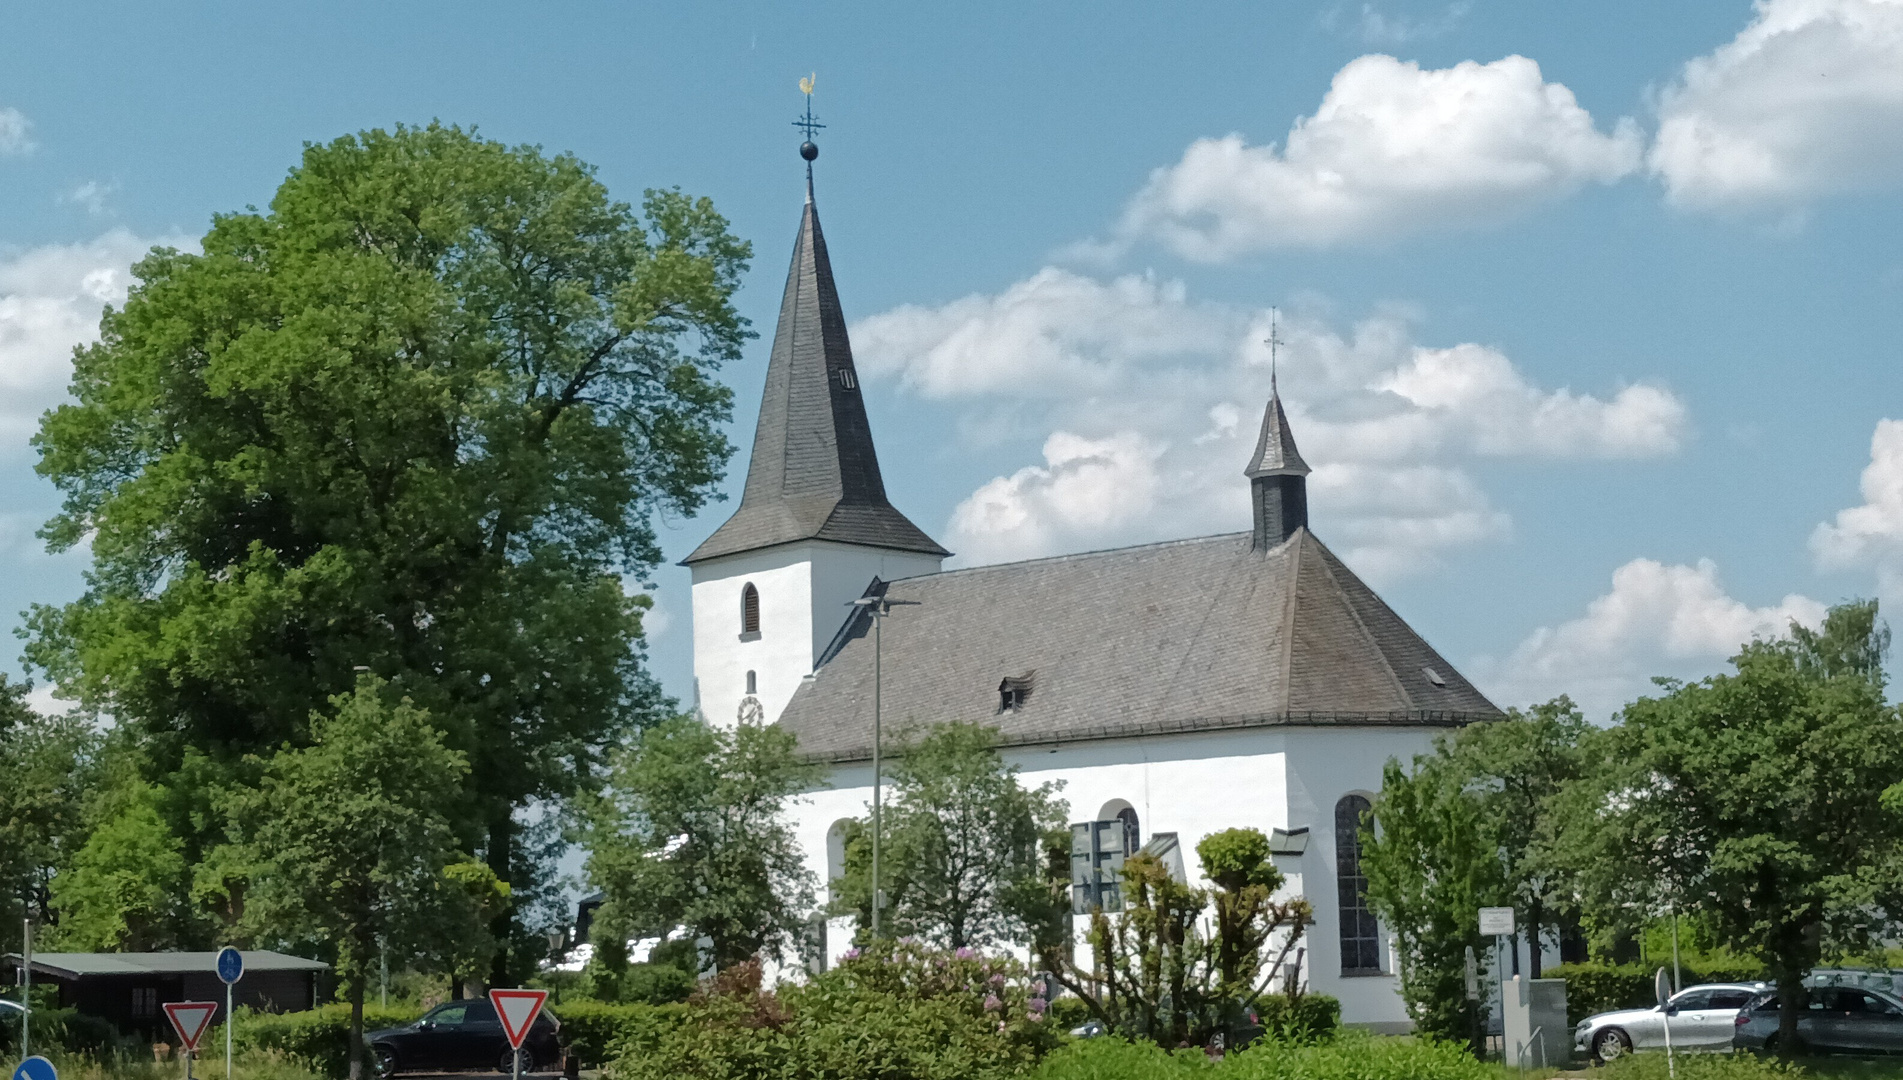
pixel 590 1028
pixel 898 1010
pixel 1596 987
pixel 68 1030
pixel 1310 1018
pixel 1700 1067
pixel 319 1038
pixel 1349 1056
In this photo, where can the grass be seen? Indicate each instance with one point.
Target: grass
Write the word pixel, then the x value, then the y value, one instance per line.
pixel 250 1065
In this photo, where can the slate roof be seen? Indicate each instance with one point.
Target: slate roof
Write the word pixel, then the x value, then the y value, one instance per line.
pixel 813 474
pixel 1189 635
pixel 1275 453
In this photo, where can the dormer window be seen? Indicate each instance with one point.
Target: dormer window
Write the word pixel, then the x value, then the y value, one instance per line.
pixel 749 610
pixel 1434 677
pixel 847 381
pixel 1014 692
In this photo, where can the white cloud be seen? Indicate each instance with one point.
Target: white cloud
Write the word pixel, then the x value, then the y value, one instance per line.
pixel 50 300
pixel 1084 489
pixel 1374 26
pixel 1659 619
pixel 1871 534
pixel 1147 403
pixel 1806 100
pixel 1392 149
pixel 91 195
pixel 15 132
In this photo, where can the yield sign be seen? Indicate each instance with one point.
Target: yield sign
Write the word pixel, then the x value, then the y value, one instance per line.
pixel 517 1009
pixel 190 1019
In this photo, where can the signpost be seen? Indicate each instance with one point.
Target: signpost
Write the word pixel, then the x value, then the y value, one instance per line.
pixel 1662 986
pixel 36 1068
pixel 517 1009
pixel 230 970
pixel 190 1019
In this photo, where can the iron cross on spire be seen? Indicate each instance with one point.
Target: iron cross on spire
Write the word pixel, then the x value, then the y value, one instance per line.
pixel 1274 342
pixel 808 123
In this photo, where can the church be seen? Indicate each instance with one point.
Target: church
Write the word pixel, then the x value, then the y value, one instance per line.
pixel 1176 688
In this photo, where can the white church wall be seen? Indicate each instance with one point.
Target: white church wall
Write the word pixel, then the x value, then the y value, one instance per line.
pixel 806 591
pixel 779 655
pixel 1326 764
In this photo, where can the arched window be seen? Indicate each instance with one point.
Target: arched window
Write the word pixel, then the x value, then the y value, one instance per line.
pixel 749 609
pixel 1360 932
pixel 752 683
pixel 1132 837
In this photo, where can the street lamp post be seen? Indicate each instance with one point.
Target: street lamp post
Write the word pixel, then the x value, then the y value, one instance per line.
pixel 878 607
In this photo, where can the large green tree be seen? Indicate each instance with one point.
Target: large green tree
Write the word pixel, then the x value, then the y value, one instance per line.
pixel 691 833
pixel 1757 798
pixel 350 844
pixel 415 417
pixel 963 855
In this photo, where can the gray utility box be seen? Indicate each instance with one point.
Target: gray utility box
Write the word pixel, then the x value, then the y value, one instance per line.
pixel 1533 1012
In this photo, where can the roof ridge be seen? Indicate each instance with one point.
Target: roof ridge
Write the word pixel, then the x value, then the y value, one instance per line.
pixel 1067 557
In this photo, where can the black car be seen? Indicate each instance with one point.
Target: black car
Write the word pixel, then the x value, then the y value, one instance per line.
pixel 1835 1020
pixel 463 1035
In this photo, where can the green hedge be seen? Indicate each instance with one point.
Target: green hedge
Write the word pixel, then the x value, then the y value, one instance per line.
pixel 1314 1016
pixel 589 1028
pixel 1706 1067
pixel 319 1038
pixel 1595 988
pixel 69 1030
pixel 1348 1056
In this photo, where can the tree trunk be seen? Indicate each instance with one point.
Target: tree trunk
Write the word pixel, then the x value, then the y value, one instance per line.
pixel 501 851
pixel 356 1028
pixel 1790 1003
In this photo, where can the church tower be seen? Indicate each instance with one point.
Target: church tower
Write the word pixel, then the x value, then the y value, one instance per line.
pixel 1278 478
pixel 775 582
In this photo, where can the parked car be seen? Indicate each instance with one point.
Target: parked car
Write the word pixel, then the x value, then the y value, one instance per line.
pixel 463 1035
pixel 1836 1020
pixel 1701 1019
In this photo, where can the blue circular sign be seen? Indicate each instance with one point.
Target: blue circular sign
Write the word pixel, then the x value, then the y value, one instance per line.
pixel 36 1068
pixel 230 965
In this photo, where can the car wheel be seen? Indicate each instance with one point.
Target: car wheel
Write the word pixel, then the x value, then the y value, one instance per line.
pixel 506 1062
pixel 386 1062
pixel 1610 1045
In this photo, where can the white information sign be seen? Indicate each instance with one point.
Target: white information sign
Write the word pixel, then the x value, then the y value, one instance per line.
pixel 1496 920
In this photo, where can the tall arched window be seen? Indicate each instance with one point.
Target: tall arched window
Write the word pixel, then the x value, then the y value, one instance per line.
pixel 1132 837
pixel 749 609
pixel 1360 932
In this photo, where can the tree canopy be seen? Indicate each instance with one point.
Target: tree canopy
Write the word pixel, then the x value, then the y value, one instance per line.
pixel 963 857
pixel 415 417
pixel 691 832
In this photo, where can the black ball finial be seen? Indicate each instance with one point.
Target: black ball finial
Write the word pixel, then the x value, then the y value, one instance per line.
pixel 809 150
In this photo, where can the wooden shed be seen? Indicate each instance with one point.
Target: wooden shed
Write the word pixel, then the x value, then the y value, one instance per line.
pixel 128 989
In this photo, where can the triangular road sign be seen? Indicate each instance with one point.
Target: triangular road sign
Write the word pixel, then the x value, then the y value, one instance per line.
pixel 517 1009
pixel 190 1019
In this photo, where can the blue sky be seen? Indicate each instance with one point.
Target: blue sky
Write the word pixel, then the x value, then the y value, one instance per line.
pixel 1593 311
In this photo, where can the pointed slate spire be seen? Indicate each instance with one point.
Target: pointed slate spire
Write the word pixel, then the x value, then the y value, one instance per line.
pixel 1278 484
pixel 1275 453
pixel 814 474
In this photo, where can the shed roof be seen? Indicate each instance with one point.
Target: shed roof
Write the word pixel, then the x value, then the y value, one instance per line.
pixel 1188 635
pixel 78 965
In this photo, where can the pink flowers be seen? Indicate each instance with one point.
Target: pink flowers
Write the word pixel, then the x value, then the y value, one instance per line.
pixel 992 1003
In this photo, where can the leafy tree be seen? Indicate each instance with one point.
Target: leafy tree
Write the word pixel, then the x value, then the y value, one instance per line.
pixel 1164 975
pixel 45 767
pixel 691 831
pixel 962 861
pixel 1432 865
pixel 1756 798
pixel 1471 826
pixel 350 844
pixel 417 416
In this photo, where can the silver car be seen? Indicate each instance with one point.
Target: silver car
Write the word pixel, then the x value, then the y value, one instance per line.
pixel 1701 1018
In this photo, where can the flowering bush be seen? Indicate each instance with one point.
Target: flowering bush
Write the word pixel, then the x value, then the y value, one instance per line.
pixel 898 1009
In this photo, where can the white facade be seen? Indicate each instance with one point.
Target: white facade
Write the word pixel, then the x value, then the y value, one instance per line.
pixel 805 591
pixel 1194 785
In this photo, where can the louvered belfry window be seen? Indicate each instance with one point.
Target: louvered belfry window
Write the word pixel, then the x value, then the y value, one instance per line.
pixel 1360 931
pixel 749 609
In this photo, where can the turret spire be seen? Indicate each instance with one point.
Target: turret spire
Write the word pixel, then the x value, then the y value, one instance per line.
pixel 1278 477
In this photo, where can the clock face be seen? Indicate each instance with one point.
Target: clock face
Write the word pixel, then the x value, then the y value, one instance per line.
pixel 751 711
